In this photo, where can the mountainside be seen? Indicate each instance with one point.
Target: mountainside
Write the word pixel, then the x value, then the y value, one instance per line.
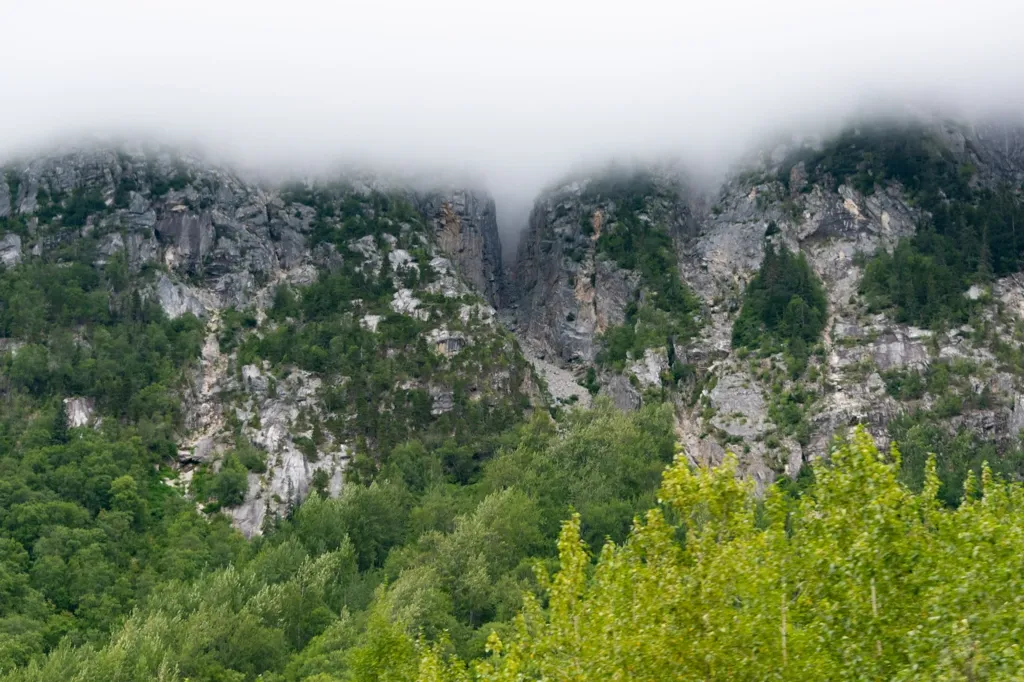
pixel 341 317
pixel 311 430
pixel 336 319
pixel 921 346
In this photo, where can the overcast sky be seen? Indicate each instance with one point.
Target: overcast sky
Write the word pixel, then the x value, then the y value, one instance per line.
pixel 517 91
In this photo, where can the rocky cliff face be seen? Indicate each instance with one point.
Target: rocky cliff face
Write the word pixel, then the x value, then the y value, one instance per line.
pixel 567 292
pixel 341 318
pixel 411 278
pixel 465 226
pixel 569 296
pixel 566 295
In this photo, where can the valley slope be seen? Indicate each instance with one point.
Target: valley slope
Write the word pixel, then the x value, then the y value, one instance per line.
pixel 339 369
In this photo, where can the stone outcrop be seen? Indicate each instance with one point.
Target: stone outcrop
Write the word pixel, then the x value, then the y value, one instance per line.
pixel 79 411
pixel 270 420
pixel 10 250
pixel 466 228
pixel 5 197
pixel 187 238
pixel 564 295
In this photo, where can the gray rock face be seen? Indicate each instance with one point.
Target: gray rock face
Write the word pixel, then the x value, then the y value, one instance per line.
pixel 830 228
pixel 649 369
pixel 622 394
pixel 272 424
pixel 65 170
pixel 566 299
pixel 999 146
pixel 564 293
pixel 177 299
pixel 79 411
pixel 142 250
pixel 5 197
pixel 1015 424
pixel 109 246
pixel 739 404
pixel 10 250
pixel 466 227
pixel 442 401
pixel 140 215
pixel 562 386
pixel 187 238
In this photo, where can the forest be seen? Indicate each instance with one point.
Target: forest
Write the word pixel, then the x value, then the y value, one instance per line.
pixel 499 539
pixel 533 571
pixel 574 546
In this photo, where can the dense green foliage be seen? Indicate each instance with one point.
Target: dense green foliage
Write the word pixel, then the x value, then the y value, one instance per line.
pixel 921 279
pixel 969 232
pixel 869 158
pixel 341 214
pixel 84 338
pixel 341 588
pixel 856 578
pixel 87 523
pixel 952 389
pixel 859 579
pixel 784 308
pixel 957 454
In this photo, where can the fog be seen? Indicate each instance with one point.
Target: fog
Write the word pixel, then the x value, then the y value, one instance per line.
pixel 514 93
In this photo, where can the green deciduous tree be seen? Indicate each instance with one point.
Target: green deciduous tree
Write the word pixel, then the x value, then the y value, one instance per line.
pixel 859 579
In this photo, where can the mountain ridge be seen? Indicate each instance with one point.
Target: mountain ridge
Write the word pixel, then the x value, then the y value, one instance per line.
pixel 719 246
pixel 626 284
pixel 308 430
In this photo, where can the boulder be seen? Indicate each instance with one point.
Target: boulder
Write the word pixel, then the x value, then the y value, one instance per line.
pixel 10 250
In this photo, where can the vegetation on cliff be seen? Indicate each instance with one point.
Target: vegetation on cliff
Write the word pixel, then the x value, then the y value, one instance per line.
pixel 970 229
pixel 784 307
pixel 637 238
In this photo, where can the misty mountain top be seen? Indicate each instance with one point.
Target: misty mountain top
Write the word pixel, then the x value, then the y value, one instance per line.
pixel 1000 137
pixel 341 363
pixel 519 93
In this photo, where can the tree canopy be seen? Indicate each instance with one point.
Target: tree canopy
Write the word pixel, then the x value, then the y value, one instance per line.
pixel 860 578
pixel 784 307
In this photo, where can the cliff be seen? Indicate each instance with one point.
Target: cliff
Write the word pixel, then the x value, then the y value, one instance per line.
pixel 400 341
pixel 837 203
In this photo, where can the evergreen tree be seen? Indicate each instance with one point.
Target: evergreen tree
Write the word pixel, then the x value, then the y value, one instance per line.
pixel 784 307
pixel 60 423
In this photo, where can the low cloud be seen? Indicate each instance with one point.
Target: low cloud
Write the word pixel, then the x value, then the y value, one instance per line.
pixel 515 93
